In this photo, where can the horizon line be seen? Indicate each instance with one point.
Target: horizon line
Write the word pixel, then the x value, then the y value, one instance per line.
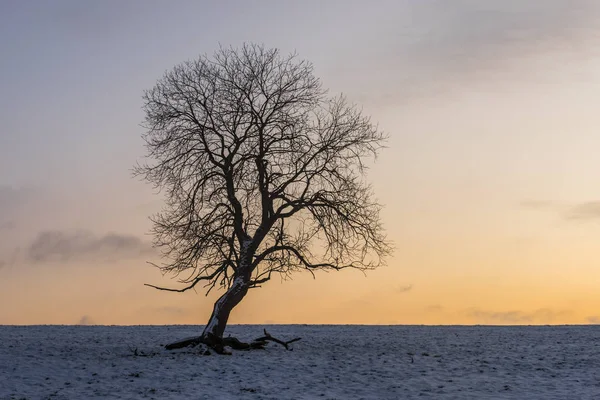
pixel 306 324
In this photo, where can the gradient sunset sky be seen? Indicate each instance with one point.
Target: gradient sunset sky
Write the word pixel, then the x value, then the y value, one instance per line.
pixel 491 182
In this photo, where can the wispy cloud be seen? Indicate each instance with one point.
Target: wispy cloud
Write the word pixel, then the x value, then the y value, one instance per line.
pixel 585 211
pixel 448 45
pixel 594 320
pixel 7 225
pixel 404 289
pixel 62 246
pixel 85 320
pixel 543 315
pixel 479 32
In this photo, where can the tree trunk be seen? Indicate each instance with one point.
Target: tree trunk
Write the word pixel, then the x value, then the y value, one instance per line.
pixel 212 335
pixel 223 306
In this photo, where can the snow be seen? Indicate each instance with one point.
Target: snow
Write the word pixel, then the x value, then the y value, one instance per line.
pixel 330 362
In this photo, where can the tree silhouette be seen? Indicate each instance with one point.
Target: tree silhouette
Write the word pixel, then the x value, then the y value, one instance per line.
pixel 262 174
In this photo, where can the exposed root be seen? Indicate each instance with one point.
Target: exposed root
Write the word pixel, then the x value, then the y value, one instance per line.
pixel 188 342
pixel 219 344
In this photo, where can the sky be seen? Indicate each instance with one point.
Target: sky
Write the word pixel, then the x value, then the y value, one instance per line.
pixel 491 178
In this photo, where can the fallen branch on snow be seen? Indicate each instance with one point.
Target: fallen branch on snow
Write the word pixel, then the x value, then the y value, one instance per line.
pixel 272 339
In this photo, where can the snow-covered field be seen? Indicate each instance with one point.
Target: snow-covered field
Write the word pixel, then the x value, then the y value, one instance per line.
pixel 330 362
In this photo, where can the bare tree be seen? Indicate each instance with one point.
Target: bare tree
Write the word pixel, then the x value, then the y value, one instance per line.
pixel 262 174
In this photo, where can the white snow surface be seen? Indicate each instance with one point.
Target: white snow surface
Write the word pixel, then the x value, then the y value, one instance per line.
pixel 330 362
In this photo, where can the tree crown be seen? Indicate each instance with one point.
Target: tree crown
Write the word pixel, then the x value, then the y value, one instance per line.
pixel 262 171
